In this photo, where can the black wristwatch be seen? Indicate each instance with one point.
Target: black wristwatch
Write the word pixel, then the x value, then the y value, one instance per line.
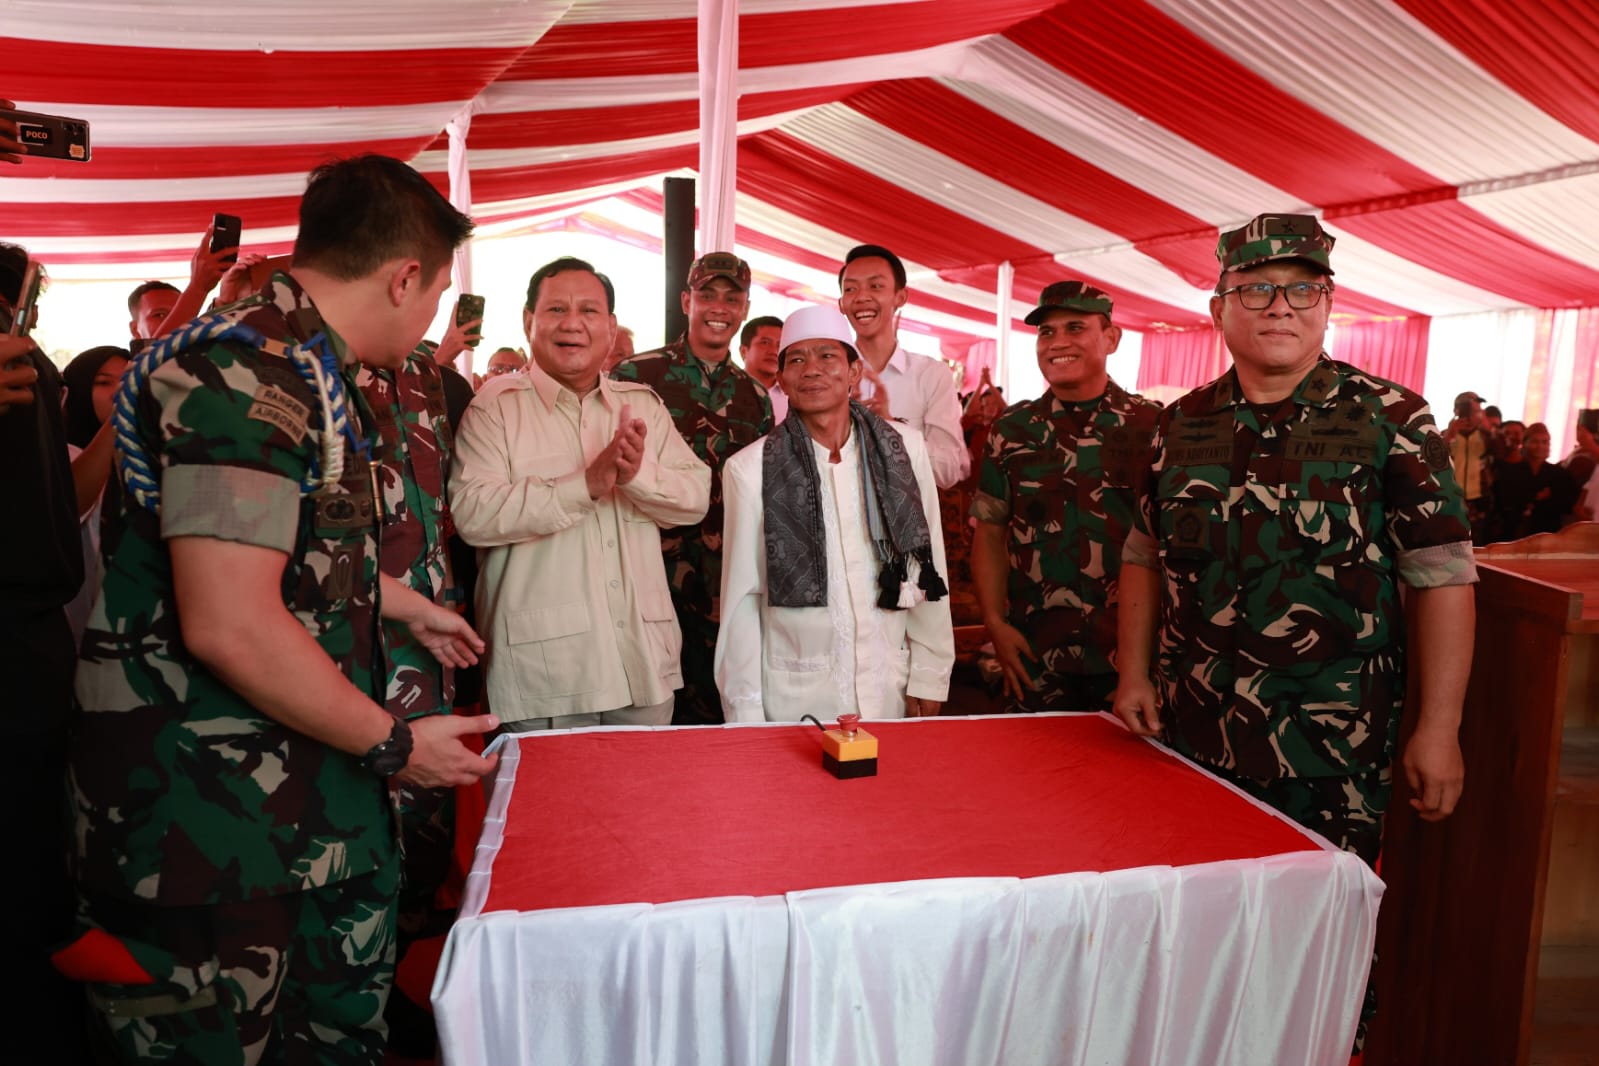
pixel 389 757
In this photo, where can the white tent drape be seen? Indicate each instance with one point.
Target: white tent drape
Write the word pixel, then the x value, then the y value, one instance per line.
pixel 1002 298
pixel 461 197
pixel 718 29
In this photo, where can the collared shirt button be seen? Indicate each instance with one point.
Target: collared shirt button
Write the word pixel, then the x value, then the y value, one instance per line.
pixel 610 544
pixel 615 583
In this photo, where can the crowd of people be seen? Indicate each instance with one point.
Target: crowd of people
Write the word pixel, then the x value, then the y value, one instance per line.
pixel 322 569
pixel 1513 488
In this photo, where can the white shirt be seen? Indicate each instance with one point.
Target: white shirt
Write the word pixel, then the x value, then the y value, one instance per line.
pixel 777 663
pixel 571 595
pixel 922 393
pixel 779 398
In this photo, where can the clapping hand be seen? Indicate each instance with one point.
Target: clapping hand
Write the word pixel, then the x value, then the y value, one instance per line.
pixel 619 462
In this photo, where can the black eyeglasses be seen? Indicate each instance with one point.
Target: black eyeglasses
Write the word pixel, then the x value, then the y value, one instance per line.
pixel 1259 295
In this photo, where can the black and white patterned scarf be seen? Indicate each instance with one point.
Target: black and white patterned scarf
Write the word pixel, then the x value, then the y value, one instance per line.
pixel 791 494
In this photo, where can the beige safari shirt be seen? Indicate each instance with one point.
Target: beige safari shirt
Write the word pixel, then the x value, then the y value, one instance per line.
pixel 571 596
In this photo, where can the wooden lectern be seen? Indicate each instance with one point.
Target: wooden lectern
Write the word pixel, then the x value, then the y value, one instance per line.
pixel 1488 942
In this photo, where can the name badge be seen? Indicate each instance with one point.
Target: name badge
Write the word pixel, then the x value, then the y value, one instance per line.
pixel 1200 441
pixel 1125 447
pixel 1345 434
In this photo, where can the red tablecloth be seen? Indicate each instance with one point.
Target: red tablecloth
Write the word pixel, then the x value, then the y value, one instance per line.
pixel 662 815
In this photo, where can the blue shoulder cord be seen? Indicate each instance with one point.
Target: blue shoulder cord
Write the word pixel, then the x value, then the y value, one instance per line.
pixel 316 364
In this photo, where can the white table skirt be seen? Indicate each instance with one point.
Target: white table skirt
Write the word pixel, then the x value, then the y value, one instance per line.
pixel 1257 961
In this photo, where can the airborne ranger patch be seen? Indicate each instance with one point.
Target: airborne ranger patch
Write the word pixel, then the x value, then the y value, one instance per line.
pixel 273 405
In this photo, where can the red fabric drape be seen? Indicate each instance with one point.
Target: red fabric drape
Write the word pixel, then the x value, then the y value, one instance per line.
pixel 1184 359
pixel 1394 349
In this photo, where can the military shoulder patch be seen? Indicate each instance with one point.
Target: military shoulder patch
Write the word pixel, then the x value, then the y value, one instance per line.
pixel 1435 452
pixel 272 404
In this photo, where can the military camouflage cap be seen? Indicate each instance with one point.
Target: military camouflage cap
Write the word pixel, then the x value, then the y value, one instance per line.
pixel 1272 237
pixel 1070 296
pixel 718 265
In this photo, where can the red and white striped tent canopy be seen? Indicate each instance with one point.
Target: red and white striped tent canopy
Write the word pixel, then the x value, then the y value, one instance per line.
pixel 1452 145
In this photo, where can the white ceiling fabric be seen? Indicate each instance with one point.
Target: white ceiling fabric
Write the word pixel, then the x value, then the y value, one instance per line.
pixel 1458 174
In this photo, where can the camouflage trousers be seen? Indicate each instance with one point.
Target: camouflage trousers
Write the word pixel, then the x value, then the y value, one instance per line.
pixel 427 839
pixel 1348 811
pixel 295 978
pixel 698 702
pixel 1065 692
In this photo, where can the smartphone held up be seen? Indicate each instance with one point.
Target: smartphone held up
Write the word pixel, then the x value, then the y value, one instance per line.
pixel 23 316
pixel 226 231
pixel 27 309
pixel 469 308
pixel 51 136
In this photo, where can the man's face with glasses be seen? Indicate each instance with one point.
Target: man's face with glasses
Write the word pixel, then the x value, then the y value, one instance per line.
pixel 1273 316
pixel 504 361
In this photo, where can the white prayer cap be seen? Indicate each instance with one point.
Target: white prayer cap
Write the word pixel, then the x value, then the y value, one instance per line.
pixel 817 322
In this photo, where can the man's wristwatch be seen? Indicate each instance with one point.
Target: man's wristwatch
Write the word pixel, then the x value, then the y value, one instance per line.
pixel 389 757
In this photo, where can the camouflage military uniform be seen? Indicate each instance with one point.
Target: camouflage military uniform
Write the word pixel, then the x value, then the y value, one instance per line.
pixel 1282 532
pixel 718 409
pixel 414 452
pixel 205 829
pixel 1059 476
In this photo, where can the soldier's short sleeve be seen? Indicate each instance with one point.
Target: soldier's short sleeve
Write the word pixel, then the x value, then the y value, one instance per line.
pixel 1140 548
pixel 233 450
pixel 1426 513
pixel 991 501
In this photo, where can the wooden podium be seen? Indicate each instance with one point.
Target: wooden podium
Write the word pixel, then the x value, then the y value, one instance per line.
pixel 1488 943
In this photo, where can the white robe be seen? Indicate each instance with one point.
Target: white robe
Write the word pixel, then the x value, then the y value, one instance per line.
pixel 778 663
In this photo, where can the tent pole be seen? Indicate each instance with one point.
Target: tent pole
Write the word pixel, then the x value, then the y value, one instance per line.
pixel 461 200
pixel 1007 280
pixel 677 251
pixel 718 39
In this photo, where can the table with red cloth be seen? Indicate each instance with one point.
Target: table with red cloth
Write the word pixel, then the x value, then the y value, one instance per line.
pixel 1007 890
